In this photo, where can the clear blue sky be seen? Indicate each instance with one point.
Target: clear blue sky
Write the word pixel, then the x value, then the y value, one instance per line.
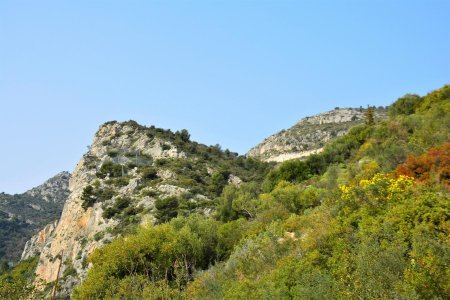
pixel 231 72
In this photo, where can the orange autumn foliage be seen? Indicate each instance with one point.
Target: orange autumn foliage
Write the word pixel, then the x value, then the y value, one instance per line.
pixel 434 164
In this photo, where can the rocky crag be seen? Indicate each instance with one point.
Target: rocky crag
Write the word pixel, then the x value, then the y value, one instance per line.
pixel 55 190
pixel 310 134
pixel 23 215
pixel 130 176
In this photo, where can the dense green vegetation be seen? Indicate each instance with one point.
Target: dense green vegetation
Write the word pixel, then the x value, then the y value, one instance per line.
pixel 17 283
pixel 367 218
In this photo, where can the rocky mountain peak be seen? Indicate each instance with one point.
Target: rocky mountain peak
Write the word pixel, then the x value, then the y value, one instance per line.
pixel 118 183
pixel 116 138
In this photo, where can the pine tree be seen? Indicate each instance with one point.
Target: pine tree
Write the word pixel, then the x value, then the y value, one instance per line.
pixel 370 115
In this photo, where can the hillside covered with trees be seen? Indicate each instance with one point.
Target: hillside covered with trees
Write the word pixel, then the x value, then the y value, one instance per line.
pixel 367 218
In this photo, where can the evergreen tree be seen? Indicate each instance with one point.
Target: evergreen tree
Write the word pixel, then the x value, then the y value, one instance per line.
pixel 370 115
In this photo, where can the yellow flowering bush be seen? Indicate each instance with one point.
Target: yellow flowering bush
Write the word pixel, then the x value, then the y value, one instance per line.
pixel 381 187
pixel 400 184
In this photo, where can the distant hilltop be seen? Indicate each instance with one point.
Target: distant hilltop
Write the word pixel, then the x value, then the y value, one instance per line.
pixel 310 134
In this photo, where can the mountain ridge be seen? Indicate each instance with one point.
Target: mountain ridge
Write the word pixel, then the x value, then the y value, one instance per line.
pixel 309 135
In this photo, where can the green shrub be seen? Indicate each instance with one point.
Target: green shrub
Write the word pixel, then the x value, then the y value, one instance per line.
pixel 69 269
pixel 119 205
pixel 119 182
pixel 218 181
pixel 92 195
pixel 113 153
pixel 99 235
pixel 88 197
pixel 291 170
pixel 105 194
pixel 405 105
pixel 110 169
pixel 167 208
pixel 149 173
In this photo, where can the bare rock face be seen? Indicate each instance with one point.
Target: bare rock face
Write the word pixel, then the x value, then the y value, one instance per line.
pixel 310 134
pixel 34 246
pixel 74 223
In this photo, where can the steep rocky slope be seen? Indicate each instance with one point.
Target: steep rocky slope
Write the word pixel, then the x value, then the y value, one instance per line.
pixel 135 175
pixel 23 215
pixel 55 190
pixel 310 134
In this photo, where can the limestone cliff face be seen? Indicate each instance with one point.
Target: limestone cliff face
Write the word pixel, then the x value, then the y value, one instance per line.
pixel 74 225
pixel 35 245
pixel 310 134
pixel 82 230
